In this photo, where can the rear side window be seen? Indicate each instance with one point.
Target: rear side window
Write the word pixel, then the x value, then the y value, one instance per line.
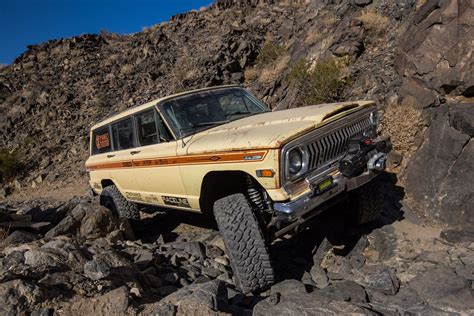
pixel 123 135
pixel 146 128
pixel 101 141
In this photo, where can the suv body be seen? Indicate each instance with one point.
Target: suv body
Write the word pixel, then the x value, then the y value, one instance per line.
pixel 221 151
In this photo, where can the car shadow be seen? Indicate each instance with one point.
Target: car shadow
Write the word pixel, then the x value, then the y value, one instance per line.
pixel 294 256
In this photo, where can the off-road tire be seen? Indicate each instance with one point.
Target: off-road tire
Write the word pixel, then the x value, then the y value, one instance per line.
pixel 368 202
pixel 116 202
pixel 244 242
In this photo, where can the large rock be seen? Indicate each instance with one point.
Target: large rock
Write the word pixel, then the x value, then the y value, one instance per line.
pixel 439 176
pixel 442 288
pixel 435 52
pixel 18 295
pixel 197 299
pixel 114 302
pixel 92 221
pixel 305 304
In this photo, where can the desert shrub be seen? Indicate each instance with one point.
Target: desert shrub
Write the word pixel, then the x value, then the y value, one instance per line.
pixel 317 82
pixel 269 73
pixel 402 122
pixel 375 23
pixel 9 164
pixel 271 61
pixel 269 53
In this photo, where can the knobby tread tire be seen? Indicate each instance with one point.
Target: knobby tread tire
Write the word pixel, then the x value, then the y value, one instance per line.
pixel 123 208
pixel 245 244
pixel 369 200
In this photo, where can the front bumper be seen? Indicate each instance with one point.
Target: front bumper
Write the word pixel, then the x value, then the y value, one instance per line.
pixel 299 207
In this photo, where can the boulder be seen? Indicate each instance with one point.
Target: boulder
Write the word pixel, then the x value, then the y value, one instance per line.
pixel 114 302
pixel 439 174
pixel 18 237
pixel 197 299
pixel 442 288
pixel 436 51
pixel 287 287
pixel 305 304
pixel 17 296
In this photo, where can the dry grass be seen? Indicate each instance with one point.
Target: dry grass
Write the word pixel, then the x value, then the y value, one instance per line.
pixel 251 74
pixel 270 72
pixel 126 69
pixel 403 123
pixel 375 23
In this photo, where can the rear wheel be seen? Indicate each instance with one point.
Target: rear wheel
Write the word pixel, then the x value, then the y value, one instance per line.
pixel 245 244
pixel 368 201
pixel 112 199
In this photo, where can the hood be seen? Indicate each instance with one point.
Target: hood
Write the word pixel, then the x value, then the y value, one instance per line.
pixel 269 129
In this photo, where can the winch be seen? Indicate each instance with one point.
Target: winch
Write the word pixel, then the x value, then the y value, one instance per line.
pixel 364 153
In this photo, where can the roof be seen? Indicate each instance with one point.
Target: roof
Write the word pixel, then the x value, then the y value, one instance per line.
pixel 147 105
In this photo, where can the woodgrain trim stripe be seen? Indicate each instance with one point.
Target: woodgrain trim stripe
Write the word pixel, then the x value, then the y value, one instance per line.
pixel 248 156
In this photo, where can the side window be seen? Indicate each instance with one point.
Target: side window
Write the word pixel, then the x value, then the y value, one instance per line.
pixel 101 142
pixel 123 134
pixel 146 128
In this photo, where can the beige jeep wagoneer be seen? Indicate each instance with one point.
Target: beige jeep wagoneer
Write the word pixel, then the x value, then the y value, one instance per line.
pixel 261 174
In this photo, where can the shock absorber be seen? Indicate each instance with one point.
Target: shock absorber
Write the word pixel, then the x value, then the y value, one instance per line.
pixel 254 194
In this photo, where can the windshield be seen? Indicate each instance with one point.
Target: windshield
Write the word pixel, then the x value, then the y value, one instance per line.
pixel 202 110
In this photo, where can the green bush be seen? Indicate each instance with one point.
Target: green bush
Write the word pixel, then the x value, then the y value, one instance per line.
pixel 9 165
pixel 269 53
pixel 317 83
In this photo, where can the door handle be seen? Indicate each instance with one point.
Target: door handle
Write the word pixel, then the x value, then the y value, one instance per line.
pixel 110 156
pixel 134 152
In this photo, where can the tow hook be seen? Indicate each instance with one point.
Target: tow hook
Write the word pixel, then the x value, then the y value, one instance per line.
pixel 377 162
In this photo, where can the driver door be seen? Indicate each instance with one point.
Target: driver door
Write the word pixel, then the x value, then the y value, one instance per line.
pixel 156 173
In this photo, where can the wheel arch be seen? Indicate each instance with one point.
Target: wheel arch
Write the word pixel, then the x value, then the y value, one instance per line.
pixel 217 184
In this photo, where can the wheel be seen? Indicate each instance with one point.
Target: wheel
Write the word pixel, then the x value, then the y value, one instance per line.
pixel 112 199
pixel 245 244
pixel 368 202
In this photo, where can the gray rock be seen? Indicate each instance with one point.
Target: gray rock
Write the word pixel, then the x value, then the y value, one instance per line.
pixel 344 291
pixel 442 288
pixel 194 248
pixel 201 299
pixel 46 259
pixel 17 295
pixel 114 302
pixel 448 157
pixel 287 287
pixel 18 237
pixel 404 301
pixel 381 279
pixel 104 263
pixel 305 304
pixel 319 276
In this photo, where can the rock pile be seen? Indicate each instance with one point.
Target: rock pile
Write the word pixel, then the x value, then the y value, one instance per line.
pixel 91 263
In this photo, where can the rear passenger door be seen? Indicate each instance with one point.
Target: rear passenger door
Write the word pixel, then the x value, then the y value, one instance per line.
pixel 156 170
pixel 124 148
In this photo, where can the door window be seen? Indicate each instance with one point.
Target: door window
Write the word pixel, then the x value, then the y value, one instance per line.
pixel 146 128
pixel 123 135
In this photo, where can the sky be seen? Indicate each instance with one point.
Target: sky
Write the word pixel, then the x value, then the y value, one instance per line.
pixel 26 22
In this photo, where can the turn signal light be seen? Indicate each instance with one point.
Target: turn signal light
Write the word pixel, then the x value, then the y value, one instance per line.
pixel 265 173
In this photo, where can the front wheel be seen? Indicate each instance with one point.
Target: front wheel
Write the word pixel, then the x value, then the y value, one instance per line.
pixel 245 244
pixel 112 199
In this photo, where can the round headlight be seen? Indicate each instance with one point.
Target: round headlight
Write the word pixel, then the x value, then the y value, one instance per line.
pixel 374 118
pixel 295 161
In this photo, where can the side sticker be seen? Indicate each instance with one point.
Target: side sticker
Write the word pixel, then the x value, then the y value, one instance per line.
pixel 176 201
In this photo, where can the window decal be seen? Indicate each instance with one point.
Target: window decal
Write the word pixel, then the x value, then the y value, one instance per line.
pixel 102 141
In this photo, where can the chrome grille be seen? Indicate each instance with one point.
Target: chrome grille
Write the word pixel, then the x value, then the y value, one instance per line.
pixel 333 145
